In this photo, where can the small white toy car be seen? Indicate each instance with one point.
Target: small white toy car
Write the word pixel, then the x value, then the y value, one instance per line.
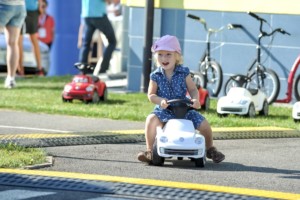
pixel 242 101
pixel 296 112
pixel 178 138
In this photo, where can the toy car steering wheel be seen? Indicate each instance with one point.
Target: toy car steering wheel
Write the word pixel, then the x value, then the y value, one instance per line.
pixel 179 107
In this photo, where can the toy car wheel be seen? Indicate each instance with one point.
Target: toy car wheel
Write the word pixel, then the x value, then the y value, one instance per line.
pixel 67 100
pixel 222 115
pixel 156 159
pixel 265 109
pixel 95 98
pixel 105 95
pixel 179 158
pixel 206 104
pixel 251 111
pixel 200 162
pixel 296 120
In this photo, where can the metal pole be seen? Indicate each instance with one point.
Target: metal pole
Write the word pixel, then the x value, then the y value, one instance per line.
pixel 147 45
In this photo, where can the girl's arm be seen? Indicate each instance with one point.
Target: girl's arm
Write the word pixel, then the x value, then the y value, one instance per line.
pixel 152 96
pixel 193 91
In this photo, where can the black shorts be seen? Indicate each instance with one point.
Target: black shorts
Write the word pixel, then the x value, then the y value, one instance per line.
pixel 31 22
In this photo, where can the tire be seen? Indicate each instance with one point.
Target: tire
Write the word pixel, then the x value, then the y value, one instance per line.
pixel 104 97
pixel 199 80
pixel 213 75
pixel 265 109
pixel 156 159
pixel 271 84
pixel 238 80
pixel 95 98
pixel 251 111
pixel 200 162
pixel 222 115
pixel 206 105
pixel 179 158
pixel 297 88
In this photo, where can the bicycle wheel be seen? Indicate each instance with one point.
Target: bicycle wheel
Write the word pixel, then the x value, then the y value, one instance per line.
pixel 297 88
pixel 271 84
pixel 199 80
pixel 238 80
pixel 214 76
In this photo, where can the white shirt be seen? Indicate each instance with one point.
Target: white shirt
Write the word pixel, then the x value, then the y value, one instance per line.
pixel 13 2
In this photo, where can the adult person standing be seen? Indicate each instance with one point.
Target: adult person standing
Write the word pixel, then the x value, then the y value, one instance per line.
pixel 12 14
pixel 31 26
pixel 46 25
pixel 93 13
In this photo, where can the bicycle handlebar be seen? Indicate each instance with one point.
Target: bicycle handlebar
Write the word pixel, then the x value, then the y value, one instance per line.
pixel 256 16
pixel 263 33
pixel 193 17
pixel 283 31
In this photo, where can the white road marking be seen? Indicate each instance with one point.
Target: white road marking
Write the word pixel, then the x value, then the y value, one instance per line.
pixel 35 129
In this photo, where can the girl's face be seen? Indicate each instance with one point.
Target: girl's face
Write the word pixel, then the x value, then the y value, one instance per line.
pixel 166 59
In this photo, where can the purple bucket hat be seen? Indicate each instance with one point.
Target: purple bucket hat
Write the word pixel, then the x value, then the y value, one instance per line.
pixel 166 43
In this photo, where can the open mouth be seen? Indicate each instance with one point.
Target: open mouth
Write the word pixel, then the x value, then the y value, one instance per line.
pixel 165 63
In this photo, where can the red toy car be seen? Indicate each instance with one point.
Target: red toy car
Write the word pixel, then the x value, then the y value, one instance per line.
pixel 84 87
pixel 203 93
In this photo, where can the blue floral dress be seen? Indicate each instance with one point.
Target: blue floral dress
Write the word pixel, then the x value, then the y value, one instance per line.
pixel 175 88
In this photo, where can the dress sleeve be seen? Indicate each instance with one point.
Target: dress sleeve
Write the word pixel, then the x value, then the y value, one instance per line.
pixel 153 77
pixel 186 71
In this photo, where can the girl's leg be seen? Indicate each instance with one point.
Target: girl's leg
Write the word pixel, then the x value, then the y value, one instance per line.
pixel 211 151
pixel 150 130
pixel 150 133
pixel 206 131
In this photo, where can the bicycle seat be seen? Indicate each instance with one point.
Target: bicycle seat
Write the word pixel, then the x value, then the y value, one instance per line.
pixel 253 91
pixel 240 79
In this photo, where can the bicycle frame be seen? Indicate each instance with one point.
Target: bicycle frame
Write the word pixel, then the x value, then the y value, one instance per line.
pixel 260 72
pixel 292 73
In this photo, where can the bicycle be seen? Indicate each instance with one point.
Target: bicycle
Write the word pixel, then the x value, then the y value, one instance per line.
pixel 211 74
pixel 258 76
pixel 290 85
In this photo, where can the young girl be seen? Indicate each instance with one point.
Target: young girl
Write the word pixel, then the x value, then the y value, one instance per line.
pixel 172 81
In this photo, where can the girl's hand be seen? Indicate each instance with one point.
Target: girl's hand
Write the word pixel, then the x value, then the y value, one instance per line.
pixel 196 103
pixel 164 104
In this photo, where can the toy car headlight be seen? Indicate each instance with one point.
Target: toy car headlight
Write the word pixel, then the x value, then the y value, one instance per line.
pixel 89 88
pixel 199 140
pixel 163 139
pixel 67 88
pixel 243 101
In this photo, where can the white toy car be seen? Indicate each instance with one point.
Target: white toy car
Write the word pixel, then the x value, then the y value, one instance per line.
pixel 242 101
pixel 178 138
pixel 296 112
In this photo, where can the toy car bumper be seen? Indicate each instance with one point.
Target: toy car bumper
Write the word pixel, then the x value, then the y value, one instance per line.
pixel 80 95
pixel 296 111
pixel 233 109
pixel 185 153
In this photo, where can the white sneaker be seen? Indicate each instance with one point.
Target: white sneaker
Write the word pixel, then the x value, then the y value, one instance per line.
pixel 9 84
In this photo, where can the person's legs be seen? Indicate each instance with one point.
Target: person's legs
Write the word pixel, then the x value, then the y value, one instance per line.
pixel 20 45
pixel 152 122
pixel 36 49
pixel 87 38
pixel 104 25
pixel 12 58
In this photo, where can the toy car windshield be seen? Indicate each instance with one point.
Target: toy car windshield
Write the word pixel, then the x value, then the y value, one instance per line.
pixel 80 80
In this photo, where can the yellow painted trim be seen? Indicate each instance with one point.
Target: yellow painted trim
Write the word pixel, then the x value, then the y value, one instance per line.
pixel 151 182
pixel 258 6
pixel 217 129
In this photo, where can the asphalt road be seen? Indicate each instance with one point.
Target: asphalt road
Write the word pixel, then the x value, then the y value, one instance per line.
pixel 259 164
